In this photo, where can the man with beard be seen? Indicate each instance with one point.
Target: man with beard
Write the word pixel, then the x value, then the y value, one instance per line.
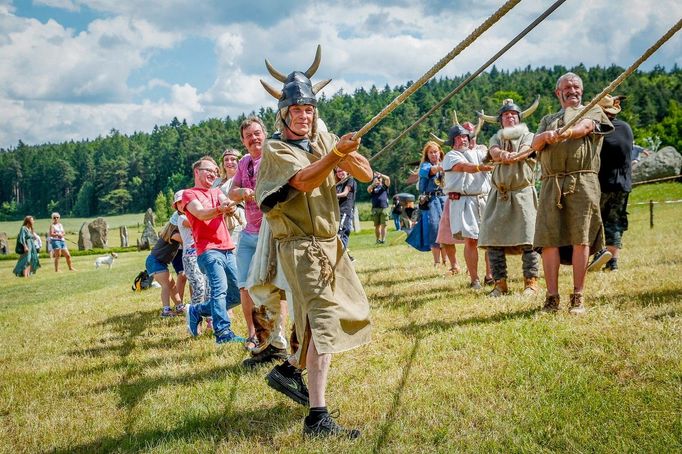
pixel 296 190
pixel 569 223
pixel 508 223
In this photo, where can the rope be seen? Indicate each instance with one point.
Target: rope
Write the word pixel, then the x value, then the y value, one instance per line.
pixel 504 9
pixel 623 76
pixel 492 60
pixel 658 179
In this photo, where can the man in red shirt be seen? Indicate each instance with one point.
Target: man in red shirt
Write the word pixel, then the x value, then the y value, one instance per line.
pixel 205 209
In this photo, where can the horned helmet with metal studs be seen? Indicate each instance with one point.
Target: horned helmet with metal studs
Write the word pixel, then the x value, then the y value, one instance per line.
pixel 509 105
pixel 297 89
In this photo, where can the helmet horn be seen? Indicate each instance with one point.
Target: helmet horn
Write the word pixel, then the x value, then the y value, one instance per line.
pixel 320 85
pixel 316 63
pixel 529 111
pixel 277 94
pixel 479 125
pixel 455 121
pixel 437 139
pixel 486 118
pixel 276 74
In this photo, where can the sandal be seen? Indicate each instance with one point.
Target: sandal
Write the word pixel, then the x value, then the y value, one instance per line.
pixel 251 343
pixel 455 270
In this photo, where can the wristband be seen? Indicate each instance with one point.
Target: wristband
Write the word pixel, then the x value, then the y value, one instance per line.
pixel 338 153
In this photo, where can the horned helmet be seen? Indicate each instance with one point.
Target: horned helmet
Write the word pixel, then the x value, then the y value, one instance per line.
pixel 457 130
pixel 297 89
pixel 509 105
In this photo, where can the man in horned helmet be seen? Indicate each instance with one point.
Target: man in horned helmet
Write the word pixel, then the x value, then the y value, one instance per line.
pixel 296 190
pixel 508 222
pixel 466 186
pixel 568 225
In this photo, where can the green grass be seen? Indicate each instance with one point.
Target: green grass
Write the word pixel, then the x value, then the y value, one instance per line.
pixel 86 365
pixel 73 225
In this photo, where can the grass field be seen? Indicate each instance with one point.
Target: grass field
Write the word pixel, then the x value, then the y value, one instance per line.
pixel 86 365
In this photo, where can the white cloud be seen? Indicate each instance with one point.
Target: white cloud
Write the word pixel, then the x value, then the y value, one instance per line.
pixel 57 84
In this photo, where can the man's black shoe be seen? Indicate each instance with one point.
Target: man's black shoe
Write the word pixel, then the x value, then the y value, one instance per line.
pixel 268 355
pixel 599 260
pixel 326 426
pixel 286 379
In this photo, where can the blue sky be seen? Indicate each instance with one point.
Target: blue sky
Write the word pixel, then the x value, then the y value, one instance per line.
pixel 75 69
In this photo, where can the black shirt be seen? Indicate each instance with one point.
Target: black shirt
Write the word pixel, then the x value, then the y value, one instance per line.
pixel 615 173
pixel 346 203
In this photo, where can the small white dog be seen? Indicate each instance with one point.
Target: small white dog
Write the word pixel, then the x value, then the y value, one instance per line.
pixel 106 260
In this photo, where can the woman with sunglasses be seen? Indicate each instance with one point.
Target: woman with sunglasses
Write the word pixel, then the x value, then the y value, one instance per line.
pixel 58 243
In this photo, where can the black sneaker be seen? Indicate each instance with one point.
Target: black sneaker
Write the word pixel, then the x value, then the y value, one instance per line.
pixel 611 265
pixel 268 355
pixel 326 426
pixel 599 260
pixel 288 380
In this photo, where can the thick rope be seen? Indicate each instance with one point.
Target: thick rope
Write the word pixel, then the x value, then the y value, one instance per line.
pixel 437 67
pixel 492 60
pixel 623 76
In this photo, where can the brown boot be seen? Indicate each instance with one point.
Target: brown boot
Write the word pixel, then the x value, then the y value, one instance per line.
pixel 530 286
pixel 500 289
pixel 551 303
pixel 576 306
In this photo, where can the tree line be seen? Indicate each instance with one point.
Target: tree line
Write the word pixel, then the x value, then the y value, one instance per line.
pixel 127 173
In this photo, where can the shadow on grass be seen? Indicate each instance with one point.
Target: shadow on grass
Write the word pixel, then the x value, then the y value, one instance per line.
pixel 385 430
pixel 422 329
pixel 133 385
pixel 262 424
pixel 398 299
pixel 646 298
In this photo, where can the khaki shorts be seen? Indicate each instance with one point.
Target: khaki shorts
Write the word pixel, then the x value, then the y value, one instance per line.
pixel 379 216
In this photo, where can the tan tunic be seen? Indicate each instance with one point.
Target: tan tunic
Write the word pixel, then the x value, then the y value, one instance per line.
pixel 568 211
pixel 509 217
pixel 329 302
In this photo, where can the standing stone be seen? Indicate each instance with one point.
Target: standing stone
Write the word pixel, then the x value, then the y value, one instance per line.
pixel 4 243
pixel 98 233
pixel 148 238
pixel 123 233
pixel 666 162
pixel 84 242
pixel 149 216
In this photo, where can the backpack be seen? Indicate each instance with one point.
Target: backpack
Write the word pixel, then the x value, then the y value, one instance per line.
pixel 142 281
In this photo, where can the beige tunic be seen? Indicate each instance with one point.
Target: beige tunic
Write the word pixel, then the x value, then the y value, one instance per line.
pixel 568 211
pixel 509 217
pixel 329 302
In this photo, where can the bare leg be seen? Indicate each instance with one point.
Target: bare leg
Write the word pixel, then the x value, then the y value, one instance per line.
pixel 382 232
pixel 450 252
pixel 377 232
pixel 164 280
pixel 471 257
pixel 67 255
pixel 57 254
pixel 247 308
pixel 436 255
pixel 318 369
pixel 580 259
pixel 180 286
pixel 614 251
pixel 488 272
pixel 550 265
